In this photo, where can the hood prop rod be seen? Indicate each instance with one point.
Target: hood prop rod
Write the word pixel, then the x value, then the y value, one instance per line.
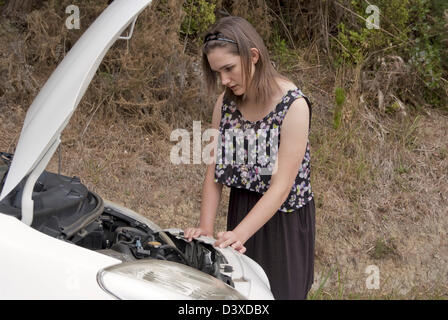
pixel 27 201
pixel 131 31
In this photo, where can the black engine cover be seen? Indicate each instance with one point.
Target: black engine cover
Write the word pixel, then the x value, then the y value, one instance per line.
pixel 62 205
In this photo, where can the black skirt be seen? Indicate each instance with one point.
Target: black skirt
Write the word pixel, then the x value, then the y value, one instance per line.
pixel 283 247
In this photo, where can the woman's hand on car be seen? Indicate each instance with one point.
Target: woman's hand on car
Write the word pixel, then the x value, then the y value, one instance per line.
pixel 230 238
pixel 191 233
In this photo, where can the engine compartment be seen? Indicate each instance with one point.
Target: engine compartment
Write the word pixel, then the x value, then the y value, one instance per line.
pixel 116 235
pixel 65 209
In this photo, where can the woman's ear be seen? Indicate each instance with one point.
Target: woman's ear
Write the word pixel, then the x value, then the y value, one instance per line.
pixel 255 55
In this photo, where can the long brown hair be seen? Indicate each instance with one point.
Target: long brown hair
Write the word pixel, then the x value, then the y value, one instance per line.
pixel 243 37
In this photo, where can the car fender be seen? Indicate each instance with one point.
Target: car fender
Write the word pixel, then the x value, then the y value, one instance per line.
pixel 37 266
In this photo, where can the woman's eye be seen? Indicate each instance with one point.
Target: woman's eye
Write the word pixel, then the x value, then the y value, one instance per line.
pixel 228 69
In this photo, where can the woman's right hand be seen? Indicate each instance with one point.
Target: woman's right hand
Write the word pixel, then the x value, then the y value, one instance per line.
pixel 190 233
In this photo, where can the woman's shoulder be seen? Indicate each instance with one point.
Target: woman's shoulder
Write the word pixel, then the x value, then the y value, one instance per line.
pixel 286 85
pixel 216 116
pixel 221 98
pixel 220 101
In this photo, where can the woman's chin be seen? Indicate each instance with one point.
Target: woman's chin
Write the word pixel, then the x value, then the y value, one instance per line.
pixel 237 92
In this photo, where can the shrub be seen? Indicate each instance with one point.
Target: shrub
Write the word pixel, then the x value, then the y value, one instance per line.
pixel 409 29
pixel 199 15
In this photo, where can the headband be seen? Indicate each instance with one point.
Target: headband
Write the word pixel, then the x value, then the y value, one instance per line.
pixel 218 37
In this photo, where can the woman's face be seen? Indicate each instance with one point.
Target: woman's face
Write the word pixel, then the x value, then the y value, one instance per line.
pixel 228 66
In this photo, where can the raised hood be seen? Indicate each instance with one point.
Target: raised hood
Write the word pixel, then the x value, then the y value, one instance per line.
pixel 57 100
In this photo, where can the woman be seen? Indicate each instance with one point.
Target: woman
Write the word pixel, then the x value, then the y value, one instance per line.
pixel 271 207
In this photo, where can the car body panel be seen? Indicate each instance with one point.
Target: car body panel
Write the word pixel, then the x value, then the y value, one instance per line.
pixel 37 266
pixel 248 277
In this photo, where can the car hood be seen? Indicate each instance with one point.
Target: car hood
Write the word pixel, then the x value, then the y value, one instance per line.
pixel 57 100
pixel 248 276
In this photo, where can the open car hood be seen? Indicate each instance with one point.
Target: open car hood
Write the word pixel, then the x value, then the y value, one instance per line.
pixel 57 100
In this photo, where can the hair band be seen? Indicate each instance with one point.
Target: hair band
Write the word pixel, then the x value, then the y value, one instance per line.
pixel 216 36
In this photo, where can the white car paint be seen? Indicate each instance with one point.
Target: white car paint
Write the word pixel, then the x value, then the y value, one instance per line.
pixel 37 266
pixel 34 265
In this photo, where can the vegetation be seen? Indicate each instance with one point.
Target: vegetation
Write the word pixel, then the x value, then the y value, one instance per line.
pixel 339 99
pixel 378 136
pixel 200 15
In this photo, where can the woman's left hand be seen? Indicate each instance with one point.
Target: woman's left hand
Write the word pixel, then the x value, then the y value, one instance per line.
pixel 230 238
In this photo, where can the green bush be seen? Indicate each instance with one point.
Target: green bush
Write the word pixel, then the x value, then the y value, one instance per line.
pixel 406 58
pixel 411 29
pixel 199 16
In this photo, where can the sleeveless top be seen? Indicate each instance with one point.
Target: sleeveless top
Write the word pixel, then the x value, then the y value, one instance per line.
pixel 247 151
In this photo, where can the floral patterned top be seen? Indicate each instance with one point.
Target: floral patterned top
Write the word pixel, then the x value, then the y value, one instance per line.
pixel 247 151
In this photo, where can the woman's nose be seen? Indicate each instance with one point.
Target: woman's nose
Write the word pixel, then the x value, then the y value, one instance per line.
pixel 224 80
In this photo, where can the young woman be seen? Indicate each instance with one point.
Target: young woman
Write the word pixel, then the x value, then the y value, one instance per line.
pixel 271 215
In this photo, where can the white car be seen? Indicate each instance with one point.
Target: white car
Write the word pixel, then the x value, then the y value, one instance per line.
pixel 58 240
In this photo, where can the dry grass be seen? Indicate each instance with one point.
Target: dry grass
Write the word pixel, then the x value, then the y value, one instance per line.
pixel 381 188
pixel 380 181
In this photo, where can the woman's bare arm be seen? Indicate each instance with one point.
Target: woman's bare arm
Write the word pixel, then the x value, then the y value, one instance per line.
pixel 290 155
pixel 211 190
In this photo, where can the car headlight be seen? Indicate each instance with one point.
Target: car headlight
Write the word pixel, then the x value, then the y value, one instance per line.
pixel 159 279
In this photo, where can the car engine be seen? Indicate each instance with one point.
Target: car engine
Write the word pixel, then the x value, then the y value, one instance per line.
pixel 65 209
pixel 126 239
